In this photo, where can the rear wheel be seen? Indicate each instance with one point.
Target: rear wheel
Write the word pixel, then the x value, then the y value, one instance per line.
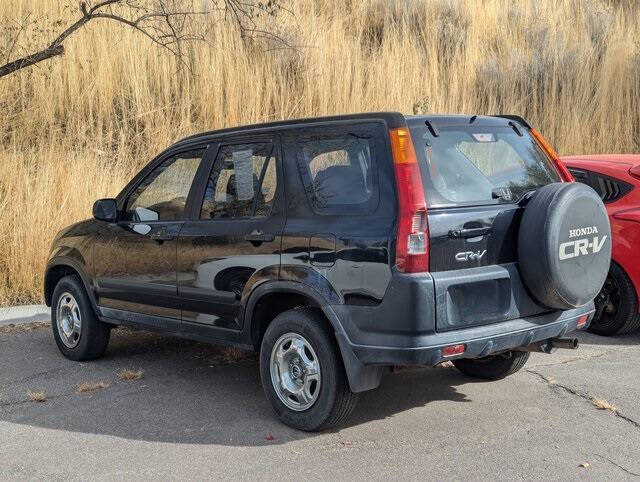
pixel 616 305
pixel 78 333
pixel 493 367
pixel 302 372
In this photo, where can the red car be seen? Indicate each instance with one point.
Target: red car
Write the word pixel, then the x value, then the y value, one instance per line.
pixel 617 179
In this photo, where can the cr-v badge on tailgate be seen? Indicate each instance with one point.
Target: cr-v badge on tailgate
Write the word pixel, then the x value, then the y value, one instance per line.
pixel 470 255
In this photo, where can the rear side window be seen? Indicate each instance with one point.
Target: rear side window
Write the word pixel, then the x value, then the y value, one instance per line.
pixel 242 182
pixel 609 189
pixel 480 165
pixel 338 172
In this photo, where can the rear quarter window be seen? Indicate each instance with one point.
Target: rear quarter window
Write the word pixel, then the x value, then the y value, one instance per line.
pixel 467 165
pixel 338 169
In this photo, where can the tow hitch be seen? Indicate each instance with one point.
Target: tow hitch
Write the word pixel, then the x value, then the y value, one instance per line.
pixel 551 345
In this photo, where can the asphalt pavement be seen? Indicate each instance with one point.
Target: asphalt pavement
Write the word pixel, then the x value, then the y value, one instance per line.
pixel 198 412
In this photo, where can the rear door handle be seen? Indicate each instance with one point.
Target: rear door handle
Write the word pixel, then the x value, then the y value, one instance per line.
pixel 257 236
pixel 161 236
pixel 469 232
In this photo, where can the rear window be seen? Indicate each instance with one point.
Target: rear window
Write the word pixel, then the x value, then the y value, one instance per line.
pixel 480 165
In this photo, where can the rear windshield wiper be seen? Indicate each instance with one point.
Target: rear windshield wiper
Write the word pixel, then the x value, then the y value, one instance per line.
pixel 515 128
pixel 432 128
pixel 525 197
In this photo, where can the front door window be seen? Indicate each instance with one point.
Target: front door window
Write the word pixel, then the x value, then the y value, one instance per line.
pixel 162 196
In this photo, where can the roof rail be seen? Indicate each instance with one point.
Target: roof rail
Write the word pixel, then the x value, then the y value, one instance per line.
pixel 516 118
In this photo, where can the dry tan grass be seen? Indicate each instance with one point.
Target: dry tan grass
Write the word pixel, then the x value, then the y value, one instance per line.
pixel 602 404
pixel 77 127
pixel 129 375
pixel 38 397
pixel 91 387
pixel 23 327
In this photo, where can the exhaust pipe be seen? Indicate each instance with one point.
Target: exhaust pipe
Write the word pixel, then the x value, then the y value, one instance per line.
pixel 551 345
pixel 567 343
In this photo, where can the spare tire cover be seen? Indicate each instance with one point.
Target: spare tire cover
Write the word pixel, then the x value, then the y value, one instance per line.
pixel 564 245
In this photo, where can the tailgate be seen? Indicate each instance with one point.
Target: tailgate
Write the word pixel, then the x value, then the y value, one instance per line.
pixel 476 178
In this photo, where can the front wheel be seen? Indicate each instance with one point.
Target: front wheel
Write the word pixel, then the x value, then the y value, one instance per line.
pixel 493 367
pixel 302 372
pixel 78 333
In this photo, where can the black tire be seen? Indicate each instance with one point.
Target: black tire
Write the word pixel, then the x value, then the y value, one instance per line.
pixel 94 335
pixel 335 400
pixel 616 305
pixel 493 367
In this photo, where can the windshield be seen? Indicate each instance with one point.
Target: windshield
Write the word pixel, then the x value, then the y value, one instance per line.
pixel 479 165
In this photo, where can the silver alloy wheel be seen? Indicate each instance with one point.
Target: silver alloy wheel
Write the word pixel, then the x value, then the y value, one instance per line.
pixel 68 320
pixel 295 371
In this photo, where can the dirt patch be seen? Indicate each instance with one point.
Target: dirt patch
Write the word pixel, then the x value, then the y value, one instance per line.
pixel 232 355
pixel 23 327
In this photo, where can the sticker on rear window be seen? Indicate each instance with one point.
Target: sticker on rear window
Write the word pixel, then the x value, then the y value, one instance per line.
pixel 244 174
pixel 488 137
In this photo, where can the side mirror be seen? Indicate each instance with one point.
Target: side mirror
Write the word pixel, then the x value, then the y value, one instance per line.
pixel 106 210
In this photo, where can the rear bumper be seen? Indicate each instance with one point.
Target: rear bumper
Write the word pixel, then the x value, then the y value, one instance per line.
pixel 417 318
pixel 421 313
pixel 480 341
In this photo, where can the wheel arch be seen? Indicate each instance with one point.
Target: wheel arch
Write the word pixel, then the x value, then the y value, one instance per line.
pixel 57 269
pixel 361 377
pixel 271 298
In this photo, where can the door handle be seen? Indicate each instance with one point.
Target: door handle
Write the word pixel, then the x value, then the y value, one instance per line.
pixel 257 236
pixel 469 232
pixel 161 236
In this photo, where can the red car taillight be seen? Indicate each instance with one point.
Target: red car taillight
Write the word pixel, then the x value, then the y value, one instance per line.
pixel 565 175
pixel 412 250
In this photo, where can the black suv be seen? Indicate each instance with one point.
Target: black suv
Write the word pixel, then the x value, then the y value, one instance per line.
pixel 338 247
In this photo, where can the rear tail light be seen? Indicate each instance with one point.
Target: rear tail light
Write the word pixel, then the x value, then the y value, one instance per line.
pixel 582 321
pixel 635 171
pixel 453 350
pixel 565 175
pixel 412 250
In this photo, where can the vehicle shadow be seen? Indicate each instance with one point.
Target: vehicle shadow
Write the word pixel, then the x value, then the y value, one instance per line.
pixel 190 392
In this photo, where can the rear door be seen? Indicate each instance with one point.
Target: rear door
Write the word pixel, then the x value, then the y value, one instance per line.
pixel 340 210
pixel 234 234
pixel 477 177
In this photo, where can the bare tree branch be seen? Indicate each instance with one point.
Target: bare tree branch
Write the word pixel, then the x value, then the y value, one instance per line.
pixel 13 42
pixel 167 23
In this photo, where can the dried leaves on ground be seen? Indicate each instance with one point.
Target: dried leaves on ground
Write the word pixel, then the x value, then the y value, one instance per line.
pixel 37 396
pixel 129 375
pixel 91 386
pixel 602 404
